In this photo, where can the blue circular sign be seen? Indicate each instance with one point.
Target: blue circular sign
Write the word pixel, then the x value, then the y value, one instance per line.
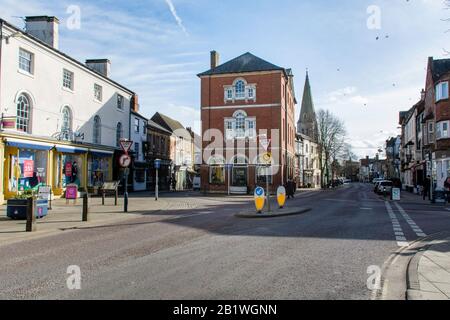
pixel 259 191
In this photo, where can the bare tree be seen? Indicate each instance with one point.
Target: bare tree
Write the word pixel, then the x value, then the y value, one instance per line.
pixel 331 139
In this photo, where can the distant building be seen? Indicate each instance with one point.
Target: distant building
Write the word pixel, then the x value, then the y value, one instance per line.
pixel 243 99
pixel 307 136
pixel 139 168
pixel 393 157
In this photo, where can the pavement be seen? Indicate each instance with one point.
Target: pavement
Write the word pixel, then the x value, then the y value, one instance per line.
pixel 199 250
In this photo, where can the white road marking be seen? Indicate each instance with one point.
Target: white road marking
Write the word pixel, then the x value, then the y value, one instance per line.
pixel 410 221
pixel 399 235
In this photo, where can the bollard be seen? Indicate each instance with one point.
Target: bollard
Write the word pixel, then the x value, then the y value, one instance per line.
pixel 116 196
pixel 85 207
pixel 103 197
pixel 31 217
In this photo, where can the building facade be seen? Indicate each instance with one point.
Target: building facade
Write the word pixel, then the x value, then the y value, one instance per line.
pixel 244 102
pixel 61 119
pixel 138 134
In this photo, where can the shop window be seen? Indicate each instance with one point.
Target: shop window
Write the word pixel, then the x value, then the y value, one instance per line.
pixel 216 171
pixel 139 175
pixel 98 170
pixel 69 170
pixel 28 170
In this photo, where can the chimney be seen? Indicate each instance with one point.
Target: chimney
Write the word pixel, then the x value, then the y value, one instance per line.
pixel 102 66
pixel 44 28
pixel 214 59
pixel 422 95
pixel 135 103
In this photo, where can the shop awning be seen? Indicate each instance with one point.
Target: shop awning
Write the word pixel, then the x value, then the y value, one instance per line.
pixel 100 153
pixel 68 149
pixel 29 145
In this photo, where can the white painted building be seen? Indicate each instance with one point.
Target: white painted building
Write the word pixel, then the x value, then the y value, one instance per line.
pixel 56 111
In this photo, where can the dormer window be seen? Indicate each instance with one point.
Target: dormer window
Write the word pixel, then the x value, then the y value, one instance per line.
pixel 441 91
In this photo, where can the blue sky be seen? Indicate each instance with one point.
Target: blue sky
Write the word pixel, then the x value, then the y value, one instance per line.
pixel 158 46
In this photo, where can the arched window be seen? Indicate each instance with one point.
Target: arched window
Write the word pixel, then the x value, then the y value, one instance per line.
pixel 23 113
pixel 97 132
pixel 118 133
pixel 66 127
pixel 239 89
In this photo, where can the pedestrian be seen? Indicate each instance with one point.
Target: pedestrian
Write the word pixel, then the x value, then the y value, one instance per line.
pixel 447 188
pixel 426 188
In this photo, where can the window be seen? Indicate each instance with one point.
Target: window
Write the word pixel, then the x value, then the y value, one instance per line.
pixel 67 79
pixel 216 171
pixel 239 89
pixel 23 113
pixel 136 125
pixel 98 92
pixel 26 61
pixel 442 91
pixel 442 131
pixel 240 126
pixel 229 94
pixel 118 133
pixel 120 102
pixel 66 127
pixel 144 127
pixel 136 149
pixel 251 93
pixel 97 130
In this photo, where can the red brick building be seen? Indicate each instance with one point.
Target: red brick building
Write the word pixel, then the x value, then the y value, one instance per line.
pixel 242 101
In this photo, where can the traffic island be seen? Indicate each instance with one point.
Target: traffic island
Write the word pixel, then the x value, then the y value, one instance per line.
pixel 274 213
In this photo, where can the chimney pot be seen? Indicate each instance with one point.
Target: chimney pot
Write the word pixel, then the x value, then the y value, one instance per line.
pixel 214 59
pixel 44 28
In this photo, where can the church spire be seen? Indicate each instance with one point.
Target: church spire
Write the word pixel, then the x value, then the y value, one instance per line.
pixel 307 124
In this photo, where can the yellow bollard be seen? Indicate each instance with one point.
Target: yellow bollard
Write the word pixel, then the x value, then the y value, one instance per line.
pixel 281 196
pixel 259 199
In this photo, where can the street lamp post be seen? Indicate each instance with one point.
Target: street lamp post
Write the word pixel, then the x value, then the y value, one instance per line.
pixel 157 166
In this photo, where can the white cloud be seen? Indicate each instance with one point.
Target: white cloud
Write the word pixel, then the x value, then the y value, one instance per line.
pixel 175 15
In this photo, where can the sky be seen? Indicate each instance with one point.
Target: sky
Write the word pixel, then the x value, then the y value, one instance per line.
pixel 366 59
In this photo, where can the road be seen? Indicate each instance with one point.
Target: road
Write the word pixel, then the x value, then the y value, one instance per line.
pixel 208 253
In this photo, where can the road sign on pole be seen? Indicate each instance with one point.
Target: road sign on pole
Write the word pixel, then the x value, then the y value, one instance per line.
pixel 125 145
pixel 125 161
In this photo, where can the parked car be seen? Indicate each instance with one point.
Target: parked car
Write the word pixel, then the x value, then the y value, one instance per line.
pixel 374 181
pixel 385 187
pixel 375 187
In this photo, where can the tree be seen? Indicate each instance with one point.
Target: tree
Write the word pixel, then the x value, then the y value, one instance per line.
pixel 331 139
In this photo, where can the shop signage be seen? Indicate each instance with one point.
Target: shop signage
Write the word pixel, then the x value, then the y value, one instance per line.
pixel 68 169
pixel 28 168
pixel 125 161
pixel 44 192
pixel 8 123
pixel 71 192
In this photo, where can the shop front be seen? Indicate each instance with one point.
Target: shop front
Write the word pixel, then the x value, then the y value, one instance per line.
pixel 69 168
pixel 99 166
pixel 26 166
